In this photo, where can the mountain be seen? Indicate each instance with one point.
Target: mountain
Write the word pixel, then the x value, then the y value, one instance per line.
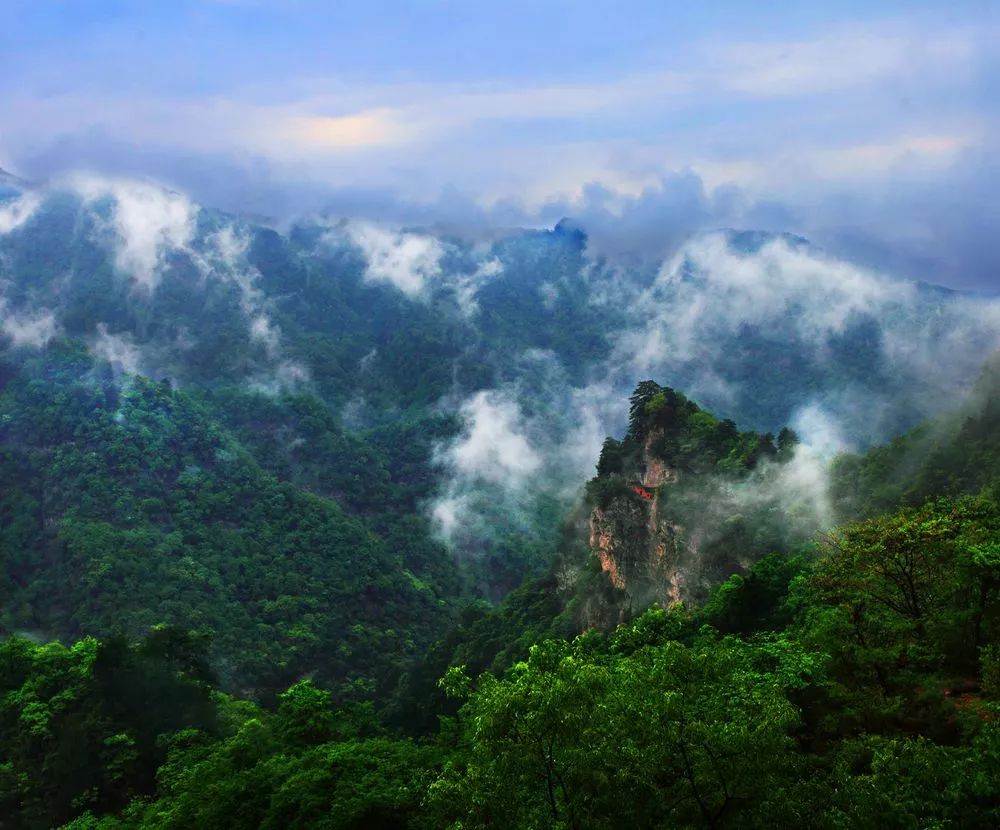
pixel 432 403
pixel 686 499
pixel 127 507
pixel 958 453
pixel 853 681
pixel 758 326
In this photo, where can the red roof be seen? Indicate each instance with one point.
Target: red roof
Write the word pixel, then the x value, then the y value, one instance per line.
pixel 642 492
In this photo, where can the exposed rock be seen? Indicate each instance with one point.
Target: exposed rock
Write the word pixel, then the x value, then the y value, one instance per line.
pixel 638 550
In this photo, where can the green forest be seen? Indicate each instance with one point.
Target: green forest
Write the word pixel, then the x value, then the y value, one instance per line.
pixel 228 598
pixel 853 682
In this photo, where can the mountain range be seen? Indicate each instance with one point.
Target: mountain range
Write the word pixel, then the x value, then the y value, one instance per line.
pixel 313 467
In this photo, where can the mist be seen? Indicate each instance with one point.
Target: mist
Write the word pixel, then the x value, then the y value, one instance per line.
pixel 762 328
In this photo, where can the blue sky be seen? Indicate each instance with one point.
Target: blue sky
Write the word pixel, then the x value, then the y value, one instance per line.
pixel 869 127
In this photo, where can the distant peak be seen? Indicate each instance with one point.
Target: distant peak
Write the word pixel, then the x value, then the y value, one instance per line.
pixel 12 180
pixel 570 228
pixel 751 241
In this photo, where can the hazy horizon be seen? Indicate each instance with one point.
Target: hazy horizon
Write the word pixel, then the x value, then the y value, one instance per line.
pixel 645 124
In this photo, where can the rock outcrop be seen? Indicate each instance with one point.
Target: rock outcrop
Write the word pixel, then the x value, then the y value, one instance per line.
pixel 637 546
pixel 682 502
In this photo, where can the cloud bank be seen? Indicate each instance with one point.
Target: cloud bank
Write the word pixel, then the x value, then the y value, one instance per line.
pixel 147 221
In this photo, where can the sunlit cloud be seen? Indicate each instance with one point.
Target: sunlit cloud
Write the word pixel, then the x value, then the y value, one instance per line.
pixel 787 116
pixel 367 129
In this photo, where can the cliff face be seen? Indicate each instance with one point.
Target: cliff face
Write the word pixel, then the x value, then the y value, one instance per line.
pixel 639 548
pixel 668 510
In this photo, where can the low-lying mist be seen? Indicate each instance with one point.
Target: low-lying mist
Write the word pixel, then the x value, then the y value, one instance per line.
pixel 537 343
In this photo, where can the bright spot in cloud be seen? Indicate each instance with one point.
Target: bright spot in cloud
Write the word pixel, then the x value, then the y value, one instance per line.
pixel 365 129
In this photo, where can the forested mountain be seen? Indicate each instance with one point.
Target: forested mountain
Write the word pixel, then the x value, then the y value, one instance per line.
pixel 851 683
pixel 308 508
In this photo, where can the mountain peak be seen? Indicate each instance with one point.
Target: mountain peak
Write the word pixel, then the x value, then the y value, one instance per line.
pixel 10 180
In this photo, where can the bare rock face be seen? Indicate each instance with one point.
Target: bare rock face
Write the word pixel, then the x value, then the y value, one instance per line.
pixel 658 473
pixel 655 471
pixel 638 548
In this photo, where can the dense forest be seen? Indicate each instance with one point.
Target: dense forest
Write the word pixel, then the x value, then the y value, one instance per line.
pixel 288 541
pixel 853 683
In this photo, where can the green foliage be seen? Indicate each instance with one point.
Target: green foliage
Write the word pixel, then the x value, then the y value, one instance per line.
pixel 855 690
pixel 665 736
pixel 80 727
pixel 756 600
pixel 250 781
pixel 958 454
pixel 611 461
pixel 663 423
pixel 135 507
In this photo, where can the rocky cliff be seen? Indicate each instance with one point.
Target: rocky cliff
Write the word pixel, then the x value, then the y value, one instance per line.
pixel 638 547
pixel 668 514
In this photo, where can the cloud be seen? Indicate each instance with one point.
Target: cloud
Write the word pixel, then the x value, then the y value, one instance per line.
pixel 148 221
pixel 819 431
pixel 33 328
pixel 284 376
pixel 224 258
pixel 493 446
pixel 264 331
pixel 724 319
pixel 120 350
pixel 862 160
pixel 348 132
pixel 18 210
pixel 467 285
pixel 730 312
pixel 494 471
pixel 710 289
pixel 527 444
pixel 406 260
pixel 778 116
pixel 818 65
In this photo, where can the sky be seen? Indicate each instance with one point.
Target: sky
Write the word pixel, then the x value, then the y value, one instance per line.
pixel 869 127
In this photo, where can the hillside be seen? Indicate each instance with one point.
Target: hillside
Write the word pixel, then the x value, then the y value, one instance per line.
pixel 410 346
pixel 853 683
pixel 957 453
pixel 127 507
pixel 296 476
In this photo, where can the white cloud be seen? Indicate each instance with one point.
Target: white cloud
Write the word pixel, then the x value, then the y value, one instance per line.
pixel 286 375
pixel 230 245
pixel 708 287
pixel 118 349
pixel 405 260
pixel 450 513
pixel 225 259
pixel 17 211
pixel 491 469
pixel 821 64
pixel 494 446
pixel 34 328
pixel 468 285
pixel 819 431
pixel 264 331
pixel 147 220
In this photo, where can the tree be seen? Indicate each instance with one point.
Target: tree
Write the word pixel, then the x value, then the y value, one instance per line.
pixel 645 392
pixel 666 735
pixel 611 460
